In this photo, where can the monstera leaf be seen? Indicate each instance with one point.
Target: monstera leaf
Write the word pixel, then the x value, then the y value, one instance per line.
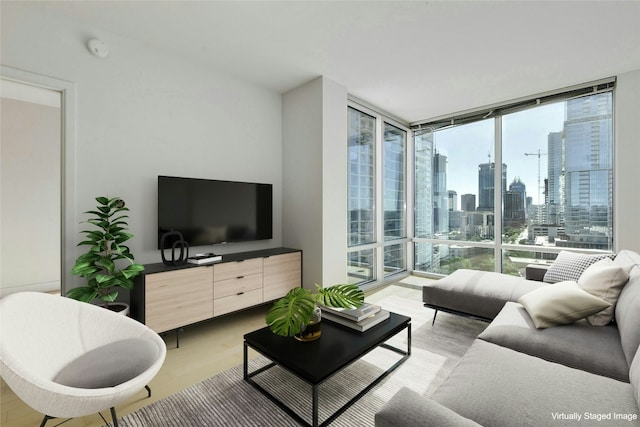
pixel 290 315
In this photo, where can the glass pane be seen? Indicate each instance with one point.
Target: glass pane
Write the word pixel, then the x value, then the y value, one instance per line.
pixel 515 262
pixel 361 178
pixel 361 266
pixel 560 162
pixel 454 175
pixel 394 182
pixel 394 256
pixel 445 259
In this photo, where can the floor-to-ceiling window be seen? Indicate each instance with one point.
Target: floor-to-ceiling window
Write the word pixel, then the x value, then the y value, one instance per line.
pixel 501 188
pixel 361 196
pixel 394 172
pixel 377 196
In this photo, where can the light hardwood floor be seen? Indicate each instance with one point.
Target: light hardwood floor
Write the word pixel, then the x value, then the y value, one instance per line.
pixel 205 349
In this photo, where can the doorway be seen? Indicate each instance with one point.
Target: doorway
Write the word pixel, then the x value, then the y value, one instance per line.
pixel 36 149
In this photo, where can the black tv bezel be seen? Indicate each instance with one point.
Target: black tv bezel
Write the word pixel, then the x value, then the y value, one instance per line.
pixel 269 229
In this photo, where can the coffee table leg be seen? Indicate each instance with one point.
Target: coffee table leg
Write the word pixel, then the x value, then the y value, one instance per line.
pixel 246 361
pixel 314 403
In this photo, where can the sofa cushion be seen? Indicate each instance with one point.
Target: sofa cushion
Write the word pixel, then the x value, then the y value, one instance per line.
pixel 560 304
pixel 109 365
pixel 634 376
pixel 628 307
pixel 496 386
pixel 604 279
pixel 408 408
pixel 570 266
pixel 480 293
pixel 571 345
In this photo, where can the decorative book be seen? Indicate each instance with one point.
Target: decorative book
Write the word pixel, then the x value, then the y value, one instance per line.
pixel 363 325
pixel 353 314
pixel 203 259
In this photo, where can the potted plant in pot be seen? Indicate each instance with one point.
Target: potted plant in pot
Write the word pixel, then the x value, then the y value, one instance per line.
pixel 298 314
pixel 108 264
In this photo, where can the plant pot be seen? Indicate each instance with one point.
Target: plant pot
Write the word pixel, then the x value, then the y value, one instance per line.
pixel 312 332
pixel 118 307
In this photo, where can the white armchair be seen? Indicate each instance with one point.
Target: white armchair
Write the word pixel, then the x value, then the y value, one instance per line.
pixel 67 359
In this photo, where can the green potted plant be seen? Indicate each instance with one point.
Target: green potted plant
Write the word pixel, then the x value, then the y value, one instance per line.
pixel 108 264
pixel 297 314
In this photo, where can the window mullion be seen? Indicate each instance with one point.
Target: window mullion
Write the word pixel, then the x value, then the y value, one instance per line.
pixel 498 195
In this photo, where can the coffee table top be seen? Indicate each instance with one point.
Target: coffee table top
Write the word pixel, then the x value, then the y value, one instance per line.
pixel 315 361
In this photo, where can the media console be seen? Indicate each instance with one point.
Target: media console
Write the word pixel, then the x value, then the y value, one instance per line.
pixel 166 298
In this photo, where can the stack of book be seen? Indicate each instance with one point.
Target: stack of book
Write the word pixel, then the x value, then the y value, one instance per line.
pixel 360 319
pixel 203 258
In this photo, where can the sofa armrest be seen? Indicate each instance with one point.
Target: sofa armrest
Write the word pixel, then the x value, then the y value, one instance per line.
pixel 536 271
pixel 408 408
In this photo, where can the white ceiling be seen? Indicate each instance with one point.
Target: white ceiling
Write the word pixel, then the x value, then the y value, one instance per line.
pixel 416 60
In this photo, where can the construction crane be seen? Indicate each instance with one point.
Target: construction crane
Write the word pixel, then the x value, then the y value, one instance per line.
pixel 539 154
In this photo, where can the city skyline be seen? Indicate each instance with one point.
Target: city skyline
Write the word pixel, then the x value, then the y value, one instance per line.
pixel 523 132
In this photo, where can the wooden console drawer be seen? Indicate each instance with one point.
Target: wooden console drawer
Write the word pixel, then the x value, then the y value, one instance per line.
pixel 178 298
pixel 281 273
pixel 230 270
pixel 235 302
pixel 236 285
pixel 168 297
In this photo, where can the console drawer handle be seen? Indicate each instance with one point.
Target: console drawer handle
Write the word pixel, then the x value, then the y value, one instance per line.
pixel 240 277
pixel 240 293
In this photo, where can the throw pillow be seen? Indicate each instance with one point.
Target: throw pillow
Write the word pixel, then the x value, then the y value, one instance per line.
pixel 560 304
pixel 110 364
pixel 605 280
pixel 570 265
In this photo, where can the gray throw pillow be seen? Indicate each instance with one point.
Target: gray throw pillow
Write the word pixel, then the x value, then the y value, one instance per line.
pixel 570 266
pixel 110 364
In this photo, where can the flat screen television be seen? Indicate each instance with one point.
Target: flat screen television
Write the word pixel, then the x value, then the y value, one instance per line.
pixel 208 212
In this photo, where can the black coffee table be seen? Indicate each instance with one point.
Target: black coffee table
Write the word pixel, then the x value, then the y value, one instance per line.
pixel 315 362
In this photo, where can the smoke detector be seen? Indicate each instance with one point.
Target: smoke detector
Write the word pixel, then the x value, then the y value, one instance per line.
pixel 98 48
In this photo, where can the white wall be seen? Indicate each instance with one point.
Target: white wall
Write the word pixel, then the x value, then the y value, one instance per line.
pixel 142 113
pixel 315 179
pixel 627 162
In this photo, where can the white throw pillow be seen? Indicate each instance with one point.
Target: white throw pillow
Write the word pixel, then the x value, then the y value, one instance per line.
pixel 605 280
pixel 560 304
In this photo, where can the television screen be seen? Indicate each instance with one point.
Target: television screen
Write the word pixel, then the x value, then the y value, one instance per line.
pixel 208 212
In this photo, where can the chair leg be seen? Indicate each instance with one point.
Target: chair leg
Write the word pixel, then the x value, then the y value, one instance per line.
pixel 434 318
pixel 113 416
pixel 148 391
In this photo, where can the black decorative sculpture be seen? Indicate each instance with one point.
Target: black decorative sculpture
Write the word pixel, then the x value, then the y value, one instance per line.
pixel 178 242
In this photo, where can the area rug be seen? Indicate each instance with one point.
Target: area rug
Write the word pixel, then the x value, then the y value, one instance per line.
pixel 227 400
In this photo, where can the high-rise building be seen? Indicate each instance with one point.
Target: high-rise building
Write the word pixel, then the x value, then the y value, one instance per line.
pixel 514 214
pixel 440 194
pixel 588 165
pixel 514 203
pixel 453 200
pixel 555 173
pixel 486 185
pixel 468 202
pixel 518 186
pixel 423 184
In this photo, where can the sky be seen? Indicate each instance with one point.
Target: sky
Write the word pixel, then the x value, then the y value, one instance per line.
pixel 467 146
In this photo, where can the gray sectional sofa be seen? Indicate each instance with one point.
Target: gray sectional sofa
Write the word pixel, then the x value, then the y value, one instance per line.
pixel 517 374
